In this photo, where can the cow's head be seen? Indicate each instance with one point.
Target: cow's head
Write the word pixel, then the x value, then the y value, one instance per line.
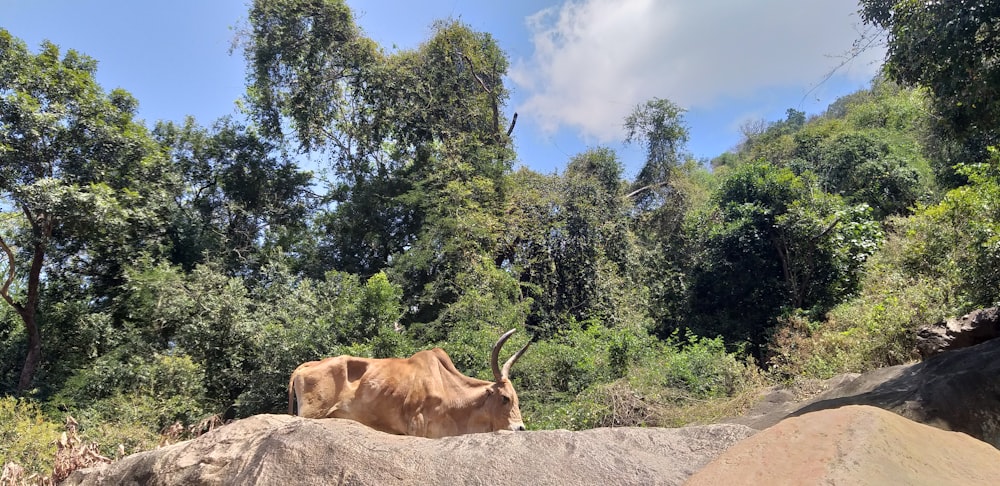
pixel 501 402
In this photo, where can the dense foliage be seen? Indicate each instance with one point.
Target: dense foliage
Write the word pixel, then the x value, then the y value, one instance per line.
pixel 168 277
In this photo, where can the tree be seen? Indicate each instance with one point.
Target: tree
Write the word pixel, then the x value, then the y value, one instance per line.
pixel 659 126
pixel 594 242
pixel 775 243
pixel 667 247
pixel 867 147
pixel 76 170
pixel 862 169
pixel 660 194
pixel 240 194
pixel 950 48
pixel 772 141
pixel 956 242
pixel 568 241
pixel 527 250
pixel 417 147
pixel 304 58
pixel 402 130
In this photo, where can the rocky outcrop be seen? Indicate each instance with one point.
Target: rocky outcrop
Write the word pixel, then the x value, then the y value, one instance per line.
pixel 285 450
pixel 969 330
pixel 872 428
pixel 857 445
pixel 958 390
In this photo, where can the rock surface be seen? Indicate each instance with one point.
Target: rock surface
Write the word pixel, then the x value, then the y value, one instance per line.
pixel 285 450
pixel 969 330
pixel 854 445
pixel 862 430
pixel 957 390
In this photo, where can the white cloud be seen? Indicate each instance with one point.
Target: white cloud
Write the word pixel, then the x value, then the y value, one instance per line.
pixel 594 60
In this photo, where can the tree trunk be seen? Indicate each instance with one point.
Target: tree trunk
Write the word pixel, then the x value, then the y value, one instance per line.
pixel 27 309
pixel 34 352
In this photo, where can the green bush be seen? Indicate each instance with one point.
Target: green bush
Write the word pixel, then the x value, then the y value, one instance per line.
pixel 566 364
pixel 595 376
pixel 154 391
pixel 27 437
pixel 939 262
pixel 876 328
pixel 134 421
pixel 301 320
pixel 702 369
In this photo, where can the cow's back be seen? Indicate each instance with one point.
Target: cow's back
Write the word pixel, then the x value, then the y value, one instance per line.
pixel 420 395
pixel 410 396
pixel 393 392
pixel 324 388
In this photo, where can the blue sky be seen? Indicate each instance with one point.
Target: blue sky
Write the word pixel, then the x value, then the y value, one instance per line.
pixel 578 67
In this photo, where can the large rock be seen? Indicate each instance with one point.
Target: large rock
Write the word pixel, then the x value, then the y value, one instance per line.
pixel 958 390
pixel 969 330
pixel 285 450
pixel 857 445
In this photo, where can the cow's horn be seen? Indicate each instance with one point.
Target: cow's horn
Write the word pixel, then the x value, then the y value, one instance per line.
pixel 495 356
pixel 505 372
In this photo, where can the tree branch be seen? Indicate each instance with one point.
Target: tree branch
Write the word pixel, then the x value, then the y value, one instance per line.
pixel 647 188
pixel 5 291
pixel 512 122
pixel 828 229
pixel 493 100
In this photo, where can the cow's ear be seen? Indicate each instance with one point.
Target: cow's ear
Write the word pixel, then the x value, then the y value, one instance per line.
pixel 489 391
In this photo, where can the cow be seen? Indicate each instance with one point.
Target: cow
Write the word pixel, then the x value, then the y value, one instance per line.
pixel 423 395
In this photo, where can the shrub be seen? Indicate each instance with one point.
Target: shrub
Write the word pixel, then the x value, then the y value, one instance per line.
pixel 130 422
pixel 153 392
pixel 702 368
pixel 27 437
pixel 599 377
pixel 937 263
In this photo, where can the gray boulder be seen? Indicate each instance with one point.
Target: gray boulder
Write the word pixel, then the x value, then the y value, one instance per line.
pixel 958 390
pixel 969 330
pixel 286 450
pixel 857 445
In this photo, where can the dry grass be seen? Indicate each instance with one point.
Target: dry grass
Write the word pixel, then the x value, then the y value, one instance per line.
pixel 627 406
pixel 178 432
pixel 74 452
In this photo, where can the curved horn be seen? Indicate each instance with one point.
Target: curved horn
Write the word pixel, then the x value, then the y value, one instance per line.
pixel 495 356
pixel 505 372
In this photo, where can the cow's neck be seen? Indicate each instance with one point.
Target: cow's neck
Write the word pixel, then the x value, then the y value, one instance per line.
pixel 468 392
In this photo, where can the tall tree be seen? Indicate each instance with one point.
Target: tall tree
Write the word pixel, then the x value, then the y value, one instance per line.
pixel 659 126
pixel 76 169
pixel 417 146
pixel 567 239
pixel 775 243
pixel 661 194
pixel 531 219
pixel 951 48
pixel 240 194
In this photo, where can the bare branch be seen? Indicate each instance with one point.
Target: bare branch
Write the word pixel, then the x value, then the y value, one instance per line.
pixel 5 291
pixel 493 100
pixel 472 68
pixel 647 188
pixel 868 38
pixel 834 224
pixel 512 122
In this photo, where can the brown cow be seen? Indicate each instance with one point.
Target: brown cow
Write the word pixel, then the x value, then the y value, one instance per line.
pixel 423 395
